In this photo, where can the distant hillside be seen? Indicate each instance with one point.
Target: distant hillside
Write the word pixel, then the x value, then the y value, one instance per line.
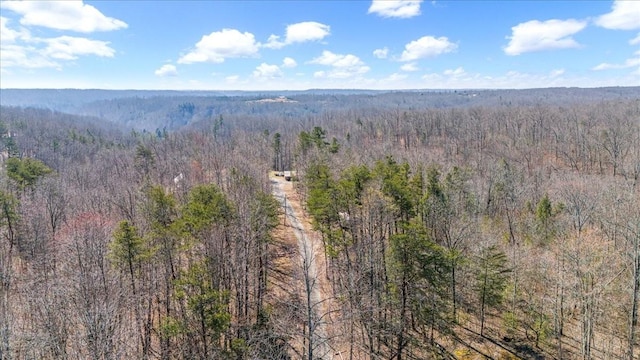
pixel 150 110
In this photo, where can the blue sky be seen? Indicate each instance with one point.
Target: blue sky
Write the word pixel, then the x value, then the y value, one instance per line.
pixel 297 45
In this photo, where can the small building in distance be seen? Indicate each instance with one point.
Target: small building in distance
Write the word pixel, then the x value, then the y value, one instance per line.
pixel 289 175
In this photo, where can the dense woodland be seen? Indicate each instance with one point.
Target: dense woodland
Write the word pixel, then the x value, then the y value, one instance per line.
pixel 500 225
pixel 171 110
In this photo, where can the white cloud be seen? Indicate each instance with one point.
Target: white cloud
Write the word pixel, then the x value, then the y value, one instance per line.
pixel 306 31
pixel 381 53
pixel 330 59
pixel 266 71
pixel 167 70
pixel 455 72
pixel 409 67
pixel 274 42
pixel 63 15
pixel 299 33
pixel 535 35
pixel 624 15
pixel 629 63
pixel 511 80
pixel 395 77
pixel 69 48
pixel 220 45
pixel 232 79
pixel 27 57
pixel 452 77
pixel 19 49
pixel 9 35
pixel 289 62
pixel 635 40
pixel 347 73
pixel 343 66
pixel 13 55
pixel 427 46
pixel 395 8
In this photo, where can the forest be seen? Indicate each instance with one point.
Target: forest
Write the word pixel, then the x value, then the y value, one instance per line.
pixel 496 224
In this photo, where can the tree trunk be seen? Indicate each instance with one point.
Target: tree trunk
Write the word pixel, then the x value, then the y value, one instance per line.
pixel 484 292
pixel 453 290
pixel 403 307
pixel 559 313
pixel 633 319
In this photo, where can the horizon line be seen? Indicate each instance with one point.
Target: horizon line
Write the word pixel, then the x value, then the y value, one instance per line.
pixel 330 89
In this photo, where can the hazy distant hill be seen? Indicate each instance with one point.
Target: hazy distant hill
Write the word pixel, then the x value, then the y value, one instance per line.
pixel 173 109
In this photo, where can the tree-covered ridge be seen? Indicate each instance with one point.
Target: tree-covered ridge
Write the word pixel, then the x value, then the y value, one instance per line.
pixel 159 110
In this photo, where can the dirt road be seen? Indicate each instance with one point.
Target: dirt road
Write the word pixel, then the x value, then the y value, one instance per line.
pixel 310 250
